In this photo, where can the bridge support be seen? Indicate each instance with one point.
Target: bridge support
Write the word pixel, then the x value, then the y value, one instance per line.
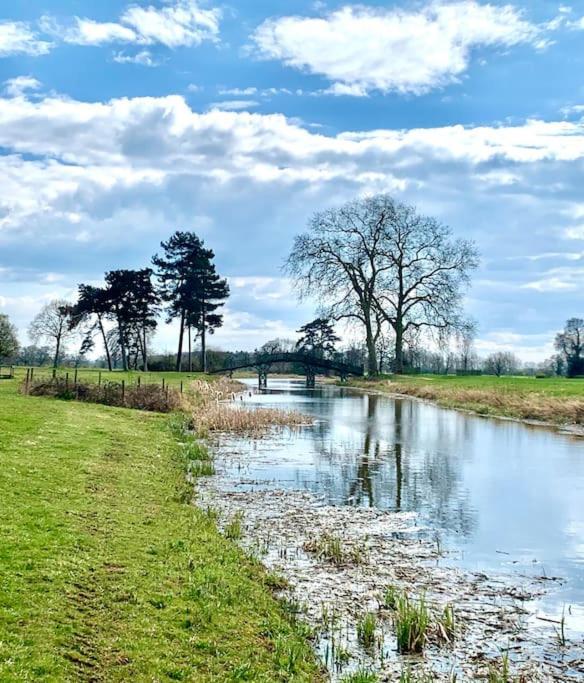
pixel 310 377
pixel 262 378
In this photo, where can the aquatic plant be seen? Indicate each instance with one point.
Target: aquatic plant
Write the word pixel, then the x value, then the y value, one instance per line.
pixel 331 548
pixel 391 597
pixel 234 529
pixel 561 631
pixel 366 630
pixel 446 624
pixel 411 620
pixel 360 676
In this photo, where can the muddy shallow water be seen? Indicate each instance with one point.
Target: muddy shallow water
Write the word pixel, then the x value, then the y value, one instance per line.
pixel 483 514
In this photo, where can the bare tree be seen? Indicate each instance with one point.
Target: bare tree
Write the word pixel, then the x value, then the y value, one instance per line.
pixel 502 363
pixel 423 274
pixel 52 324
pixel 377 261
pixel 465 337
pixel 338 260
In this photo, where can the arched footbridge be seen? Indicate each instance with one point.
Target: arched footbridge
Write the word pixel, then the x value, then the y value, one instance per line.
pixel 311 363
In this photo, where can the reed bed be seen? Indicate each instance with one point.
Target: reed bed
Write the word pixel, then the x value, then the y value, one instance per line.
pixel 226 417
pixel 213 409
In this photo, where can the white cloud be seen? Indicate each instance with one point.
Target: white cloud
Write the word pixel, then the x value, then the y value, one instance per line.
pixel 17 38
pixel 363 48
pixel 183 23
pixel 109 180
pixel 234 105
pixel 16 87
pixel 143 58
pixel 238 92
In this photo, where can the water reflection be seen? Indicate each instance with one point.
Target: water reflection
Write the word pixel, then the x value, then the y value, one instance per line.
pixel 487 487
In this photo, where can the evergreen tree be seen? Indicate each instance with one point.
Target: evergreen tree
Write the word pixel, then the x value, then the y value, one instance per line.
pixel 191 287
pixel 94 301
pixel 133 304
pixel 318 337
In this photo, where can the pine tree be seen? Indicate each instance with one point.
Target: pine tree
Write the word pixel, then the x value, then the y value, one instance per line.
pixel 191 287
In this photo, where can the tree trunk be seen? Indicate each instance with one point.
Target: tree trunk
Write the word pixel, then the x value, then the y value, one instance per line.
pixel 203 346
pixel 180 342
pixel 372 367
pixel 105 344
pixel 144 350
pixel 399 347
pixel 123 349
pixel 190 350
pixel 57 352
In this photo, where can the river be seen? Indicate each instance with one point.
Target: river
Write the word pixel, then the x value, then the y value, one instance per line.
pixel 493 496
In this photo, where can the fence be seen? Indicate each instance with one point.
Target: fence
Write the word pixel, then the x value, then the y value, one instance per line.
pixel 6 372
pixel 152 396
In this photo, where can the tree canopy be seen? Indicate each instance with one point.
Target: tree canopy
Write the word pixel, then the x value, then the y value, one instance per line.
pixel 377 261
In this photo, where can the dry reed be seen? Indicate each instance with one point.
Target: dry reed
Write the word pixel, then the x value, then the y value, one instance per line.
pixel 524 406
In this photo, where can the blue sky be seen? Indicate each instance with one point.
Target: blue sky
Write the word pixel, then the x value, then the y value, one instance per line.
pixel 121 122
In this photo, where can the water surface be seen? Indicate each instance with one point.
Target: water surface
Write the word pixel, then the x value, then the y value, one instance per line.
pixel 499 495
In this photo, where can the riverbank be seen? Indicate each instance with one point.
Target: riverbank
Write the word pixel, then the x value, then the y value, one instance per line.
pixel 109 572
pixel 553 401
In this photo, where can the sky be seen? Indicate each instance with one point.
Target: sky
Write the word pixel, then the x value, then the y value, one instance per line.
pixel 122 122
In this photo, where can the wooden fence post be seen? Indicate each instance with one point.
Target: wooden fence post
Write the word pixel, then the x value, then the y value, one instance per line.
pixel 99 378
pixel 27 380
pixel 181 387
pixel 139 382
pixel 123 390
pixel 67 381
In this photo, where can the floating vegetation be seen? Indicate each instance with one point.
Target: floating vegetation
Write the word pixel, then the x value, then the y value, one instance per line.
pixel 409 676
pixel 333 549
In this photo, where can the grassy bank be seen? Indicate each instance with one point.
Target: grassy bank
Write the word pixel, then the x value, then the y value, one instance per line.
pixel 108 572
pixel 556 400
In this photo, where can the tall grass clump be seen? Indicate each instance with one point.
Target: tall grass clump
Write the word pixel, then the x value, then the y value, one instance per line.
pixel 360 676
pixel 366 630
pixel 234 528
pixel 331 548
pixel 412 621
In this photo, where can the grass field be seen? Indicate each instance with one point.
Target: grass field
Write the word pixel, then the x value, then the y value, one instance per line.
pixel 553 399
pixel 109 573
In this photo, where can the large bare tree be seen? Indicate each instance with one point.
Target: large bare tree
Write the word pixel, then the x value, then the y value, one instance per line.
pixel 378 261
pixel 338 261
pixel 424 272
pixel 52 324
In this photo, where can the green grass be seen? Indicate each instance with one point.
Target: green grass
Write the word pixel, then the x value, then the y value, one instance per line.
pixel 108 573
pixel 549 386
pixel 131 376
